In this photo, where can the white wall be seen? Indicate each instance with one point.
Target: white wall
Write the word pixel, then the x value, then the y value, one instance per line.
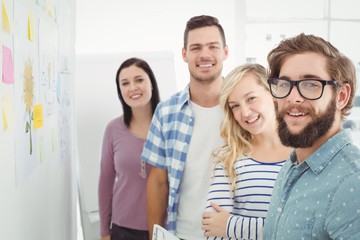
pixel 113 26
pixel 42 205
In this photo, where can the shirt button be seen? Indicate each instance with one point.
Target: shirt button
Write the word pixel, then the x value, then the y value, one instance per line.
pixel 279 209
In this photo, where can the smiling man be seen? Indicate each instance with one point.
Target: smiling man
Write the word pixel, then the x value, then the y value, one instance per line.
pixel 317 193
pixel 184 131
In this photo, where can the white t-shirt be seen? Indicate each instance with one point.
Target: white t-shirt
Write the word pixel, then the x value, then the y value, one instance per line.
pixel 195 182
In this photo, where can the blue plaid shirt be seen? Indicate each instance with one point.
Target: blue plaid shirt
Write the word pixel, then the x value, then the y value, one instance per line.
pixel 320 198
pixel 167 145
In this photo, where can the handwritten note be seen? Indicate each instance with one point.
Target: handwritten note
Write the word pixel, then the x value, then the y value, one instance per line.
pixel 160 233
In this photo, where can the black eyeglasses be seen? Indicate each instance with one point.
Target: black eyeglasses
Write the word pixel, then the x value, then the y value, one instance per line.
pixel 310 89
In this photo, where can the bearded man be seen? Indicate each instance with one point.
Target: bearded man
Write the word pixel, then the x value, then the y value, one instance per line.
pixel 317 193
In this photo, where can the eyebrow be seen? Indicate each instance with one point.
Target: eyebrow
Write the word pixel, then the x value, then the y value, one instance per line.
pixel 306 76
pixel 244 96
pixel 311 76
pixel 231 102
pixel 125 79
pixel 206 44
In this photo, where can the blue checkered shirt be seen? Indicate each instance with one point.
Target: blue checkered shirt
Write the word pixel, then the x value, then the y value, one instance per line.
pixel 167 145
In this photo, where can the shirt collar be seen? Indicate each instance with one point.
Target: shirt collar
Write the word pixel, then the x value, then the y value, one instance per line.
pixel 184 96
pixel 318 160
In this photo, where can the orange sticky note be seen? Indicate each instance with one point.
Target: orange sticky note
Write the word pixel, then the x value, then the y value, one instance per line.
pixel 31 27
pixel 5 18
pixel 38 116
pixel 7 66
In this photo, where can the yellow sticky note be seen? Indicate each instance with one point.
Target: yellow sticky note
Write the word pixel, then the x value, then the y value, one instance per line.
pixel 31 27
pixel 5 18
pixel 5 123
pixel 38 116
pixel 7 113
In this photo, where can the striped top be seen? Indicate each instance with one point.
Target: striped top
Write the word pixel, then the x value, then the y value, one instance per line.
pixel 249 201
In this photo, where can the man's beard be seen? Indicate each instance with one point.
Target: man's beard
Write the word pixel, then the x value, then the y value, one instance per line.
pixel 312 132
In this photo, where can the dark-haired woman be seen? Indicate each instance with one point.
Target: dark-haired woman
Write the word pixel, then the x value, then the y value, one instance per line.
pixel 122 182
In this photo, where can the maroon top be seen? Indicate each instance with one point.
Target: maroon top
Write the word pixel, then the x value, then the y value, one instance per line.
pixel 122 183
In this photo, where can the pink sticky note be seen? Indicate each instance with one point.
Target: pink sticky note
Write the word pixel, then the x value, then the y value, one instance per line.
pixel 7 66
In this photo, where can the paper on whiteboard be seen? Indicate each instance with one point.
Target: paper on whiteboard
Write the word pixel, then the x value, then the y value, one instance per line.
pixel 160 233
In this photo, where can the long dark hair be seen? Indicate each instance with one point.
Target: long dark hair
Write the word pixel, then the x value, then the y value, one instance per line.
pixel 155 96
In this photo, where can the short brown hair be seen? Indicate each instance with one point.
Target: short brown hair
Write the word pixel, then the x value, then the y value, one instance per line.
pixel 339 67
pixel 203 21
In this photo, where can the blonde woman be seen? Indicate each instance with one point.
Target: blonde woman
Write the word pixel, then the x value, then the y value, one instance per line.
pixel 247 165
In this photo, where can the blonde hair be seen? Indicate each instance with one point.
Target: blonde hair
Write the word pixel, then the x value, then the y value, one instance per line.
pixel 237 140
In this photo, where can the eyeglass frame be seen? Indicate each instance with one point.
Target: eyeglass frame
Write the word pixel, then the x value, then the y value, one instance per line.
pixel 297 82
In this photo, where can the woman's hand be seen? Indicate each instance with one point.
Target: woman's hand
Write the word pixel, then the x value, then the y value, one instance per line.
pixel 214 223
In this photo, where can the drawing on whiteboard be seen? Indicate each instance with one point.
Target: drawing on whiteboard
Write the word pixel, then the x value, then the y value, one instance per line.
pixel 28 96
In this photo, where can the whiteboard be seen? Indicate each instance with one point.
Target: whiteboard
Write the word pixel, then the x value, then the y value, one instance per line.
pixel 96 103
